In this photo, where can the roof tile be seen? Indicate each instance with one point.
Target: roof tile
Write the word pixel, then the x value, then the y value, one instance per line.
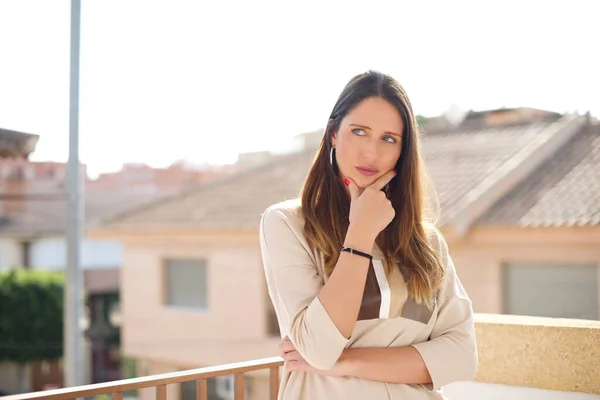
pixel 457 161
pixel 564 191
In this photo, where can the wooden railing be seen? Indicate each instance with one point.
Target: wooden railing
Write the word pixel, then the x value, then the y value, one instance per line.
pixel 160 382
pixel 544 353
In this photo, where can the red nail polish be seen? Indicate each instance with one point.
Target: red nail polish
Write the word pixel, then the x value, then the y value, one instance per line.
pixel 395 171
pixel 346 181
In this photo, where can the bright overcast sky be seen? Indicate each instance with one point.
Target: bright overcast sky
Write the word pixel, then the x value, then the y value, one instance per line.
pixel 205 80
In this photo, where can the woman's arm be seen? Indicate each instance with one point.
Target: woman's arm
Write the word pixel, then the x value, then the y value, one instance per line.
pixel 317 318
pixel 342 294
pixel 384 364
pixel 370 212
pixel 449 356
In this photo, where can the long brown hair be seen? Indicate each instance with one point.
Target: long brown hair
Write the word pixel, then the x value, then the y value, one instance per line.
pixel 326 204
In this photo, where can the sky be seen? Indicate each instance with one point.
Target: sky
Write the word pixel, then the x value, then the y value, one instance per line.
pixel 202 81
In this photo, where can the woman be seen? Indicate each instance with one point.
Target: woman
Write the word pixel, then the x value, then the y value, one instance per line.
pixel 366 295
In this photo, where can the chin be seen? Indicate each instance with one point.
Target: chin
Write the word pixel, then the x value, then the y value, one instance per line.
pixel 364 182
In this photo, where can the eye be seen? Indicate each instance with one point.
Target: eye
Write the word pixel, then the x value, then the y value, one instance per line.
pixel 390 139
pixel 359 132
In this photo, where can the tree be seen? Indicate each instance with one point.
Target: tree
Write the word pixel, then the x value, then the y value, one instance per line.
pixel 31 316
pixel 421 120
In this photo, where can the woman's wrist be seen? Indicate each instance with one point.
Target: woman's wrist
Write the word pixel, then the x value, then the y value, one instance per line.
pixel 344 365
pixel 358 239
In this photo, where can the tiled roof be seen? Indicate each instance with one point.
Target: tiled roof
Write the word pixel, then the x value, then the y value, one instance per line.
pixel 458 161
pixel 17 143
pixel 49 215
pixel 564 191
pixel 233 202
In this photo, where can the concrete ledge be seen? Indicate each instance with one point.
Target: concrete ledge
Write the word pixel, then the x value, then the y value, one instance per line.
pixel 493 391
pixel 545 353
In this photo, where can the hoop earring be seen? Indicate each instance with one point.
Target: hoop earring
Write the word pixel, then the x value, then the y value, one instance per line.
pixel 331 154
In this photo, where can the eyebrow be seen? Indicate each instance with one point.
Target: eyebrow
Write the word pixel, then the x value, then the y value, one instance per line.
pixel 369 128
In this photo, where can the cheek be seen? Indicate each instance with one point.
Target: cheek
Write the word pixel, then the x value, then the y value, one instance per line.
pixel 343 148
pixel 391 158
pixel 346 153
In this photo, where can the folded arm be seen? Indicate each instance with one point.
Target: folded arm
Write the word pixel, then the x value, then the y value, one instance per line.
pixel 385 364
pixel 450 354
pixel 318 318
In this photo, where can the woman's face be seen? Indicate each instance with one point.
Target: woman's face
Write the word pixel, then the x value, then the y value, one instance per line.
pixel 369 141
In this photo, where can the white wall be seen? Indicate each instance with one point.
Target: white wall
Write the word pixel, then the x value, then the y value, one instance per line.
pixel 10 253
pixel 51 253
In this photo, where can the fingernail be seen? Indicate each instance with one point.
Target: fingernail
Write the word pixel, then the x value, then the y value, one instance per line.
pixel 395 171
pixel 347 181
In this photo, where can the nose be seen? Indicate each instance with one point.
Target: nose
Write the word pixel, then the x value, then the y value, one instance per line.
pixel 369 150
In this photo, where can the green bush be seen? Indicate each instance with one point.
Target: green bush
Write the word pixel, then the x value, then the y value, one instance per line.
pixel 31 315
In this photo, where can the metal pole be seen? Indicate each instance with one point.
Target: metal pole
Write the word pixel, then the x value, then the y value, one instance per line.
pixel 73 334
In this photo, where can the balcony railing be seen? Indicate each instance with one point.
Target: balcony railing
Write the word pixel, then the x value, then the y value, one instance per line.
pixel 528 352
pixel 160 382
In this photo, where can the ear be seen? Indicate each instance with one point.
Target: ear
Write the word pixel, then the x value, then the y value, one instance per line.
pixel 334 139
pixel 333 135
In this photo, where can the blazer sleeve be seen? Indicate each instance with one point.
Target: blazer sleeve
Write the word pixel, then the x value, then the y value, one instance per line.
pixel 450 354
pixel 293 284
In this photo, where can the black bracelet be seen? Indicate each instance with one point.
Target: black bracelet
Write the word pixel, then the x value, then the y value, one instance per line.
pixel 357 252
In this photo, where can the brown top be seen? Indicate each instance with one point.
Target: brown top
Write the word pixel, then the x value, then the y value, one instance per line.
pixel 444 336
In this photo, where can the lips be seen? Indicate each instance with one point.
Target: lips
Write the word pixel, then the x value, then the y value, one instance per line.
pixel 367 171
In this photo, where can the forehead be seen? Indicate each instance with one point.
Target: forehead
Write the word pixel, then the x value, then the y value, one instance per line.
pixel 377 114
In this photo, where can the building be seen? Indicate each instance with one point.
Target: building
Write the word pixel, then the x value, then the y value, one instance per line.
pixel 520 197
pixel 15 144
pixel 141 178
pixel 33 226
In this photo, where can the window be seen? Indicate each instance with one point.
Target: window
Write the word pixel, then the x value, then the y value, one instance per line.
pixel 557 291
pixel 186 283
